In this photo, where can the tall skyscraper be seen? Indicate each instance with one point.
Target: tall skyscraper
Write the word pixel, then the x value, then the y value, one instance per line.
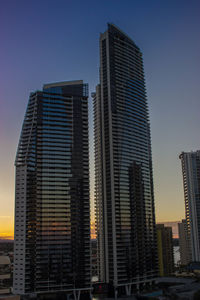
pixel 165 250
pixel 125 218
pixel 191 184
pixel 52 211
pixel 184 243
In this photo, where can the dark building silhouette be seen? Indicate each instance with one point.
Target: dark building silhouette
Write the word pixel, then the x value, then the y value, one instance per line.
pixel 184 242
pixel 165 250
pixel 125 218
pixel 52 211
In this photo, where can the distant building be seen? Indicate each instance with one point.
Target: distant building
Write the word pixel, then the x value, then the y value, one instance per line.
pixel 185 253
pixel 174 225
pixel 191 184
pixel 52 208
pixel 165 250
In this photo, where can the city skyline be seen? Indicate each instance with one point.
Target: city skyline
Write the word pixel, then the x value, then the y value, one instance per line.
pixel 167 34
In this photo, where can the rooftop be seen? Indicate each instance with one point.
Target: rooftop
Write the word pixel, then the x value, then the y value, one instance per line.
pixel 62 83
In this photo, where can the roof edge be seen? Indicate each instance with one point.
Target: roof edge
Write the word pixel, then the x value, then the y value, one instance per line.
pixel 62 83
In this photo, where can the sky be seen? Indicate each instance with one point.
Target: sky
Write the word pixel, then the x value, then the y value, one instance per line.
pixel 56 40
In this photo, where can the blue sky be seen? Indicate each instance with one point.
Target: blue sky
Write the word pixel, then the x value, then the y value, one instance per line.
pixel 47 41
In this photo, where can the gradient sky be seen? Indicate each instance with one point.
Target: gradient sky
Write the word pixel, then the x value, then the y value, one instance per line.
pixel 54 40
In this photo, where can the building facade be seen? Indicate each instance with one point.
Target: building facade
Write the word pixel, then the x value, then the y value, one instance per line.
pixel 191 183
pixel 52 211
pixel 5 275
pixel 165 250
pixel 184 243
pixel 124 198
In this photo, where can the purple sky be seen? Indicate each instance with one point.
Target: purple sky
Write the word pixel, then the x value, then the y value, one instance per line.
pixel 47 41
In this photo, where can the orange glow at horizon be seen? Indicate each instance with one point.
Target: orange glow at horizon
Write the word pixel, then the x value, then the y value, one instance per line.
pixel 6 227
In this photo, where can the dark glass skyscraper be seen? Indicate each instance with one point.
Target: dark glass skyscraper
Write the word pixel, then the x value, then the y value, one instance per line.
pixel 125 218
pixel 52 212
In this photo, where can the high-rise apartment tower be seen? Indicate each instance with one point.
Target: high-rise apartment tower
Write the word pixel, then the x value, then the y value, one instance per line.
pixel 165 250
pixel 125 218
pixel 52 213
pixel 184 243
pixel 191 184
